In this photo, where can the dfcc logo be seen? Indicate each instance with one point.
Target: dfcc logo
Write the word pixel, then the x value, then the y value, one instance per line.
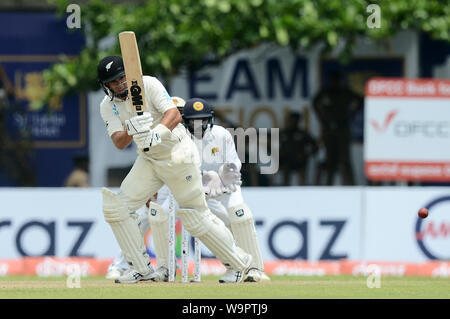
pixel 387 120
pixel 433 232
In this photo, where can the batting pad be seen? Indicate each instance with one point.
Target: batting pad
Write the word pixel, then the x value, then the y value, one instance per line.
pixel 143 222
pixel 215 235
pixel 126 231
pixel 244 232
pixel 159 223
pixel 219 210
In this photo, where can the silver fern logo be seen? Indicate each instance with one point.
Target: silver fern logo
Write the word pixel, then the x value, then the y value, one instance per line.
pixel 108 66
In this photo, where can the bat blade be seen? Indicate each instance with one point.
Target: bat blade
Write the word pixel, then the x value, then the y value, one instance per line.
pixel 133 70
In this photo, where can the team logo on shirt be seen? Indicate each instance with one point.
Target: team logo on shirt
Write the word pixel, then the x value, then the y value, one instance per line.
pixel 198 106
pixel 215 150
pixel 166 95
pixel 116 111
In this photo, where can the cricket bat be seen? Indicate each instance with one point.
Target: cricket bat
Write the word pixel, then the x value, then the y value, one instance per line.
pixel 133 71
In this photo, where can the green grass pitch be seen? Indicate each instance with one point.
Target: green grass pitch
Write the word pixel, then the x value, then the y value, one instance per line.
pixel 281 287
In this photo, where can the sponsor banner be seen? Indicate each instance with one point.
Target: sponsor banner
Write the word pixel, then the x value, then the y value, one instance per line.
pixel 293 223
pixel 57 267
pixel 54 221
pixel 414 171
pixel 302 268
pixel 407 130
pixel 43 132
pixel 309 223
pixel 428 88
pixel 53 266
pixel 12 267
pixel 393 231
pixel 358 268
pixel 397 269
pixel 297 224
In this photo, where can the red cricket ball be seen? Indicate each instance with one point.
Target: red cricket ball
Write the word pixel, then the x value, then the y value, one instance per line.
pixel 423 212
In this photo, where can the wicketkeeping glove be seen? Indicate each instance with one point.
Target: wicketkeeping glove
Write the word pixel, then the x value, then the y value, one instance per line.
pixel 230 176
pixel 139 124
pixel 212 185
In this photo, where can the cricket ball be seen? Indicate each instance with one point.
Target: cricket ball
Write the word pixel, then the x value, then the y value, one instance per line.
pixel 423 212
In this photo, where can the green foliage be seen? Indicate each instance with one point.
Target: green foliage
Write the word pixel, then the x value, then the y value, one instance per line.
pixel 175 34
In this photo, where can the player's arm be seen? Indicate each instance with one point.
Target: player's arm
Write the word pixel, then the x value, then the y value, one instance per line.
pixel 171 118
pixel 162 102
pixel 114 126
pixel 121 139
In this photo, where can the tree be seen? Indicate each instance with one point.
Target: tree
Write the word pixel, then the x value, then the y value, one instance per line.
pixel 176 34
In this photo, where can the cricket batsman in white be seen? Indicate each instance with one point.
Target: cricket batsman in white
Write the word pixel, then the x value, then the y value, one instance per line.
pixel 171 159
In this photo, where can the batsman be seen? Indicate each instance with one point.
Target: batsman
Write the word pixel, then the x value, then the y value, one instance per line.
pixel 166 155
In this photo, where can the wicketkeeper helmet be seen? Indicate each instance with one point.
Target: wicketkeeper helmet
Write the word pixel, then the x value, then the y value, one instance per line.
pixel 197 108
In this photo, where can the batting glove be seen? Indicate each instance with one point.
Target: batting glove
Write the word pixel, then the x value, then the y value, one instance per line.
pixel 139 124
pixel 146 140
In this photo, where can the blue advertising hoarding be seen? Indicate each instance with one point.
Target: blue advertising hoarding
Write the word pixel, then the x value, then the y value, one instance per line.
pixel 54 133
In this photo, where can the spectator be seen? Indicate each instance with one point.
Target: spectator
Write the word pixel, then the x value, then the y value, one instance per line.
pixel 79 177
pixel 334 105
pixel 296 146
